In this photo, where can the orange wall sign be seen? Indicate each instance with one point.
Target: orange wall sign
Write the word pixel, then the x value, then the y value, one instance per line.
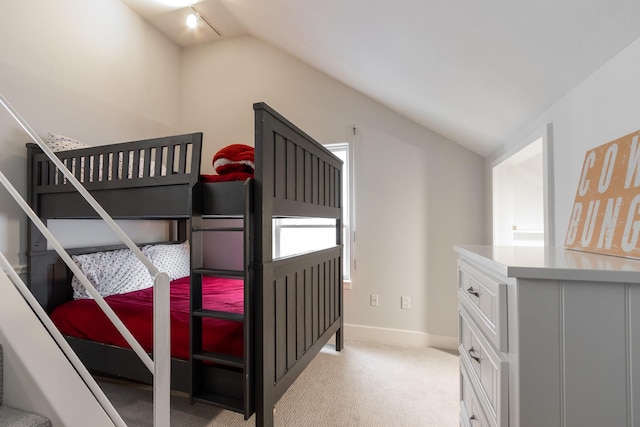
pixel 606 212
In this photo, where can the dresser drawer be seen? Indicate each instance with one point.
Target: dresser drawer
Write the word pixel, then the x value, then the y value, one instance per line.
pixel 486 368
pixel 486 300
pixel 471 411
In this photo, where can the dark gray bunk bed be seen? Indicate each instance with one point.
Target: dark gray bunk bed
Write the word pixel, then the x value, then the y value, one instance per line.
pixel 292 306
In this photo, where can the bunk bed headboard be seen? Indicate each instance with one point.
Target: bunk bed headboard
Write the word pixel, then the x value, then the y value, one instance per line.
pixel 295 176
pixel 148 179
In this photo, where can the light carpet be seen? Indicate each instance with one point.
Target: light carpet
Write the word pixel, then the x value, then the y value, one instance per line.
pixel 365 384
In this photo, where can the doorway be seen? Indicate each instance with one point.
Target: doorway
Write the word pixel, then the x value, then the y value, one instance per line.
pixel 522 188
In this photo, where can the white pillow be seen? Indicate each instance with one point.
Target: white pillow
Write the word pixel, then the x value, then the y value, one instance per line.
pixel 62 143
pixel 171 259
pixel 112 272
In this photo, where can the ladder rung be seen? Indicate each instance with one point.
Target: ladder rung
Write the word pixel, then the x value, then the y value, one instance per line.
pixel 219 272
pixel 218 229
pixel 216 314
pixel 220 358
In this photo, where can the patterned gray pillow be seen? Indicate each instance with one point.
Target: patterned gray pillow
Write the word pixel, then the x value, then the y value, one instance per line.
pixel 63 143
pixel 112 272
pixel 171 259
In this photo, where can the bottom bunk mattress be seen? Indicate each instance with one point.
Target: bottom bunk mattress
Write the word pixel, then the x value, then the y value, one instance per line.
pixel 83 318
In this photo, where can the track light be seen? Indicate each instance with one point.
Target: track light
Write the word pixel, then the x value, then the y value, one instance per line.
pixel 192 20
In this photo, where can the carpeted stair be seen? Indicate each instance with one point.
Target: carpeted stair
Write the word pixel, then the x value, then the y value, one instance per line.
pixel 12 417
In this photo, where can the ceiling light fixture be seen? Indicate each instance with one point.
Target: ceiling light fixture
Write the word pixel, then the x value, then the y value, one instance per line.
pixel 192 20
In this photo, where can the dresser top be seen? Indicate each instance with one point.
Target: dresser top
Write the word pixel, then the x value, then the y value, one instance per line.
pixel 552 263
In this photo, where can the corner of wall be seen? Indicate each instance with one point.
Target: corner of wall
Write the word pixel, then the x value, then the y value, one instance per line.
pixel 400 337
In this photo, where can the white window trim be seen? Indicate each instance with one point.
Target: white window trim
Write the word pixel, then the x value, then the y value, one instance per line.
pixel 347 221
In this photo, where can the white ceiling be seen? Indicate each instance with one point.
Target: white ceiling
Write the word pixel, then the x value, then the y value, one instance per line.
pixel 474 71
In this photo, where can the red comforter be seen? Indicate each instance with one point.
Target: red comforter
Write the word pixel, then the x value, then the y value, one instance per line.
pixel 84 319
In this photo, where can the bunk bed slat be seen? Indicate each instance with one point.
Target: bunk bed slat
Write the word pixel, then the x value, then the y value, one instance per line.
pixel 308 178
pixel 299 313
pixel 170 160
pixel 126 157
pixel 308 309
pixel 182 163
pixel 133 172
pixel 290 176
pixel 280 327
pixel 299 173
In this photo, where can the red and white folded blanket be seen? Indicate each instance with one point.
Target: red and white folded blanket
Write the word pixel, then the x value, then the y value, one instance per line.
pixel 234 162
pixel 234 158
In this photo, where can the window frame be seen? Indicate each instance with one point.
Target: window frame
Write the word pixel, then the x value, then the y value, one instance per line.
pixel 347 220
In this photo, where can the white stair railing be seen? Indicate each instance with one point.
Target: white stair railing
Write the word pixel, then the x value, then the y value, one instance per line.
pixel 160 366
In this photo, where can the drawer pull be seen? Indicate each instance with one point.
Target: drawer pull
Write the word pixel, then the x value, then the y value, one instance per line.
pixel 473 292
pixel 472 355
pixel 473 418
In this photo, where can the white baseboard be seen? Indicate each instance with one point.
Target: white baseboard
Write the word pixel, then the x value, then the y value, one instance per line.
pixel 399 337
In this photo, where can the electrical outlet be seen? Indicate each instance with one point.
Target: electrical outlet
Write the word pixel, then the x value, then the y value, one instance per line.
pixel 374 300
pixel 405 303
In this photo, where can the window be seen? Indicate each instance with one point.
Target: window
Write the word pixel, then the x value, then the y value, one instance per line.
pixel 296 235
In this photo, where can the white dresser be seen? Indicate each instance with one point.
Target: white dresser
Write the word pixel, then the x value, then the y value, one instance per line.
pixel 548 337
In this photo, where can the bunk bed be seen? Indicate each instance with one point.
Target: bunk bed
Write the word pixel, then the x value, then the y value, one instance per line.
pixel 291 306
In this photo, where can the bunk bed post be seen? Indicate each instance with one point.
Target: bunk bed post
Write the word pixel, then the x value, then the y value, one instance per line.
pixel 264 323
pixel 339 234
pixel 339 199
pixel 299 298
pixel 249 254
pixel 196 244
pixel 37 241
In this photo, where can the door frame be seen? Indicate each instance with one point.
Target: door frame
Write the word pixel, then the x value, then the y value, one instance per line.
pixel 546 133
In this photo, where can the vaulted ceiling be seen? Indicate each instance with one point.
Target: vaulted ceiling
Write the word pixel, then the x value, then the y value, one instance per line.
pixel 475 72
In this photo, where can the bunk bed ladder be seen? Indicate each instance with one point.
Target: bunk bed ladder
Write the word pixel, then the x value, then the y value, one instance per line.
pixel 221 370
